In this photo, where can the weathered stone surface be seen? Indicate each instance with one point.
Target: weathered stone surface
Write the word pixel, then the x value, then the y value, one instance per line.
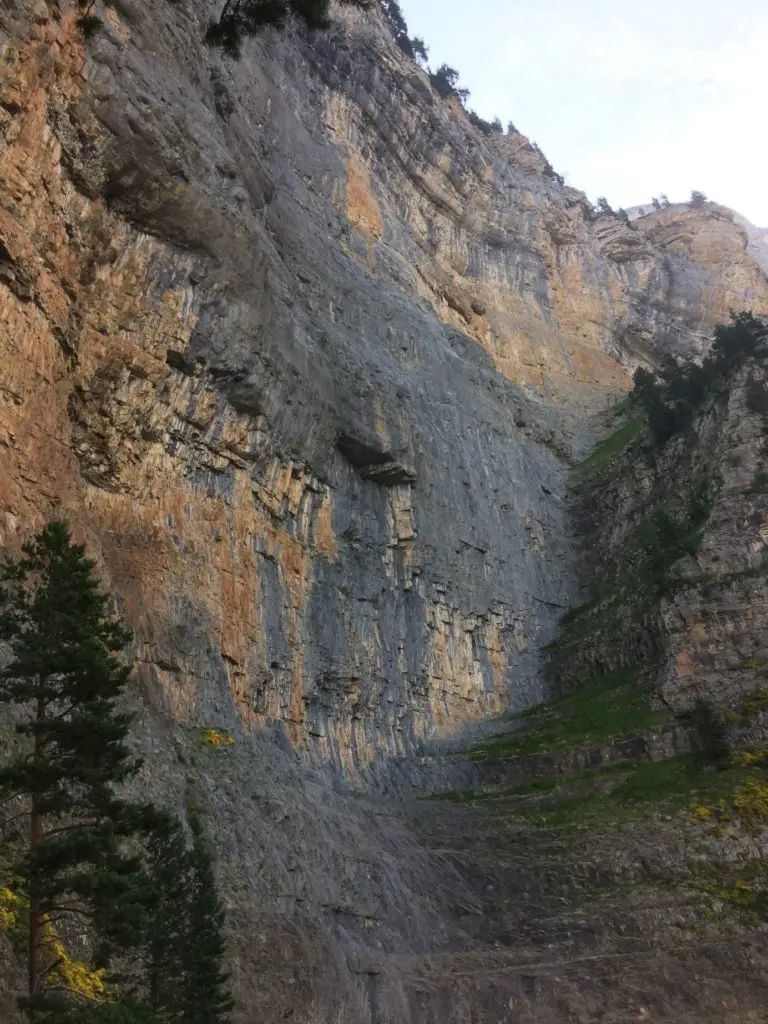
pixel 715 624
pixel 705 636
pixel 278 335
pixel 305 360
pixel 758 240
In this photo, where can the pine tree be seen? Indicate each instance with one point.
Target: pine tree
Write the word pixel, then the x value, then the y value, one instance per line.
pixel 445 80
pixel 119 1011
pixel 185 944
pixel 420 50
pixel 64 678
pixel 169 886
pixel 207 999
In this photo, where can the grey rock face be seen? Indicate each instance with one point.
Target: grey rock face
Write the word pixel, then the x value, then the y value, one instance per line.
pixel 388 301
pixel 306 360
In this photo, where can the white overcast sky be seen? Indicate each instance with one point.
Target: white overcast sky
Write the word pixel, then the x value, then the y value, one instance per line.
pixel 627 98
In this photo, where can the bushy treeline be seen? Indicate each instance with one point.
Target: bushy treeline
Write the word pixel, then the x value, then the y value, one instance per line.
pixel 493 127
pixel 412 47
pixel 239 19
pixel 110 904
pixel 672 397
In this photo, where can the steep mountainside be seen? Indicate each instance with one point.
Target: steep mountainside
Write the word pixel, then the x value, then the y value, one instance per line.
pixel 300 350
pixel 307 361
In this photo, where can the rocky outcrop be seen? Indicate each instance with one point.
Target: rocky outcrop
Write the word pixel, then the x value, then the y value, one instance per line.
pixel 675 541
pixel 758 240
pixel 714 622
pixel 300 353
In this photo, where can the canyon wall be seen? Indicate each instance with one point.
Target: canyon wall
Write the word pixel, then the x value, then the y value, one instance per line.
pixel 305 359
pixel 675 551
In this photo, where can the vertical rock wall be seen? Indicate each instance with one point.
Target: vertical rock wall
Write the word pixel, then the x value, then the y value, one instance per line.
pixel 302 356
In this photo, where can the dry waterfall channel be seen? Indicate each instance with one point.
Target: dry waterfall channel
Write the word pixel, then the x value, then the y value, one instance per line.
pixel 330 383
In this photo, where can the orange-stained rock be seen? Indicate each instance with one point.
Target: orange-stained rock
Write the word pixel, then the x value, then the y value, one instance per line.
pixel 302 357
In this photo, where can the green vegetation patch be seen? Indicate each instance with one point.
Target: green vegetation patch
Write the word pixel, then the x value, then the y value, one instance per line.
pixel 644 786
pixel 613 705
pixel 538 786
pixel 579 610
pixel 614 445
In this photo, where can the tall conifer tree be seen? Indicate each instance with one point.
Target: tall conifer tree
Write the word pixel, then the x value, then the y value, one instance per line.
pixel 64 677
pixel 146 896
pixel 185 944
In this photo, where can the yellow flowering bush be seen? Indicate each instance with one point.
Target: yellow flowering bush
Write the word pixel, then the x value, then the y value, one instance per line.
pixel 700 812
pixel 10 904
pixel 73 975
pixel 750 757
pixel 742 883
pixel 750 802
pixel 217 738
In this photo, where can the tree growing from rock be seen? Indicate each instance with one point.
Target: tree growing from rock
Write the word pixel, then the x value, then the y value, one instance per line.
pixel 420 51
pixel 697 199
pixel 486 127
pixel 414 48
pixel 671 397
pixel 445 81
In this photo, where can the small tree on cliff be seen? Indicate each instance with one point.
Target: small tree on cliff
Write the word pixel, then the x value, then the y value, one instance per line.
pixel 63 678
pixel 420 50
pixel 698 199
pixel 445 81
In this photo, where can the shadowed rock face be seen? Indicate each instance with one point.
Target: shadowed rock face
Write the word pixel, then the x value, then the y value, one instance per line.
pixel 305 359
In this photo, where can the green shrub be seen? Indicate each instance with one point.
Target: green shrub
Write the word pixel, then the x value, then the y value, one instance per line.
pixel 760 483
pixel 89 25
pixel 710 743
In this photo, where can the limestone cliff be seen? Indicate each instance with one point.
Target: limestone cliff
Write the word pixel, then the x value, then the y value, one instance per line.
pixel 299 350
pixel 306 360
pixel 686 595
